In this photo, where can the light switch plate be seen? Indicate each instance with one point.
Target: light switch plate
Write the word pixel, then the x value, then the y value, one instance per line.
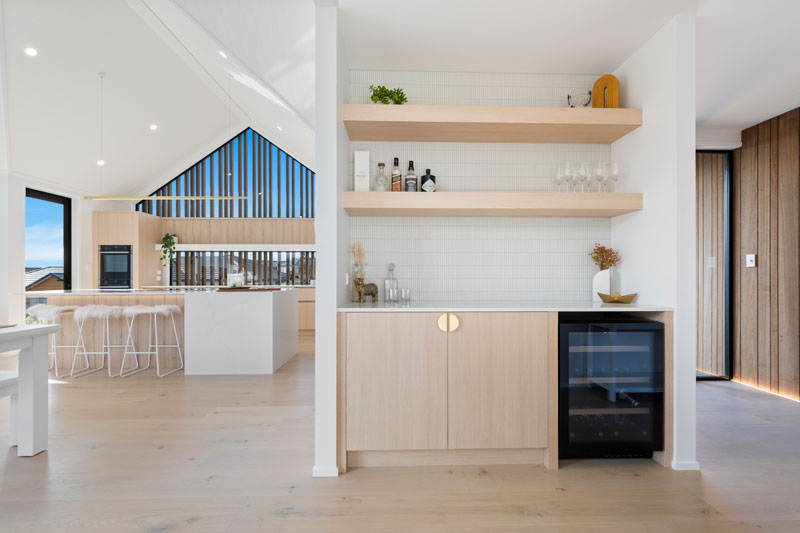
pixel 750 260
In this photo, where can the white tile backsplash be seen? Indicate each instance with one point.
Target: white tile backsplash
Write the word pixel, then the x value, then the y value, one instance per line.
pixel 481 258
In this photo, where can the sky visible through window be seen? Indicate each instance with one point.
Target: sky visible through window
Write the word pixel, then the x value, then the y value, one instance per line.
pixel 44 233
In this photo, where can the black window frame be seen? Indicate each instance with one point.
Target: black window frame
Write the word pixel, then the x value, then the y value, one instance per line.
pixel 66 203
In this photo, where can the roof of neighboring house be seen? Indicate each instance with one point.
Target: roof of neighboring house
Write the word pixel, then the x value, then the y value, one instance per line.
pixel 34 277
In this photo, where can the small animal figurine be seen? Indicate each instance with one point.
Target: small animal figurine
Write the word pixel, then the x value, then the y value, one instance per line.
pixel 365 289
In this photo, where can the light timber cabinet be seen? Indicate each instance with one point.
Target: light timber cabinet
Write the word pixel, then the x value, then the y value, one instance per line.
pixel 416 393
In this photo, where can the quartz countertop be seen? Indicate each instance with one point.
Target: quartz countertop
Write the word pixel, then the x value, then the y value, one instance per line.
pixel 132 292
pixel 499 306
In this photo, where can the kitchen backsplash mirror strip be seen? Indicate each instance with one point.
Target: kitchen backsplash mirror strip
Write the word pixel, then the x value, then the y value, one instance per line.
pixel 477 258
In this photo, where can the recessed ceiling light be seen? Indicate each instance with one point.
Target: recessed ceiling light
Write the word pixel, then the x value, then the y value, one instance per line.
pixel 31 52
pixel 100 162
pixel 279 128
pixel 153 127
pixel 223 54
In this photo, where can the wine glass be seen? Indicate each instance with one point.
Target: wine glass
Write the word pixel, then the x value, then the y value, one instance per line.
pixel 583 174
pixel 600 173
pixel 615 174
pixel 569 174
pixel 559 177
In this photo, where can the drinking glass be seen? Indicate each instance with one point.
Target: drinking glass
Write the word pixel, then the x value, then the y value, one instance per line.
pixel 600 173
pixel 583 174
pixel 569 174
pixel 616 173
pixel 405 296
pixel 391 295
pixel 559 177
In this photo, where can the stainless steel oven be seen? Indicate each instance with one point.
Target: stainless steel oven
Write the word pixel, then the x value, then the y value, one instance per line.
pixel 116 270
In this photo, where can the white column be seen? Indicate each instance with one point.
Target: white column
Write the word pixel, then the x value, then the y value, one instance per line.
pixel 331 225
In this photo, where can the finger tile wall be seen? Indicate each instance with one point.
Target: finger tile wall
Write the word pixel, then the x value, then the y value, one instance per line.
pixel 477 258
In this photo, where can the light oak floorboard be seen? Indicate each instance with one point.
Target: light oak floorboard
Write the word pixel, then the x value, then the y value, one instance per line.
pixel 234 453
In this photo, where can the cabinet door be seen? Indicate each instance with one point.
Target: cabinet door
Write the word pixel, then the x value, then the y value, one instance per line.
pixel 497 381
pixel 396 382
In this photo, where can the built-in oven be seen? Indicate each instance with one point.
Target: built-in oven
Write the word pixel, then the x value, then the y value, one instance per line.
pixel 116 270
pixel 611 385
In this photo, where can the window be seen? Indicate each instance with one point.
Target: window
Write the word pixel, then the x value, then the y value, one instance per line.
pixel 48 241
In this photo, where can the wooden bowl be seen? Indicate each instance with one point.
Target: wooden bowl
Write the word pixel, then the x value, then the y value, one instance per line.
pixel 617 298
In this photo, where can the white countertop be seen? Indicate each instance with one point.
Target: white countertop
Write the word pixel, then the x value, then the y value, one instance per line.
pixel 465 307
pixel 132 292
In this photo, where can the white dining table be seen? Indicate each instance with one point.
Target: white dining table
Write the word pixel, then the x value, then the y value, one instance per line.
pixel 32 396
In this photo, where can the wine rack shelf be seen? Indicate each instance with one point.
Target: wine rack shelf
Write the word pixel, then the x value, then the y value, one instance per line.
pixel 490 204
pixel 434 123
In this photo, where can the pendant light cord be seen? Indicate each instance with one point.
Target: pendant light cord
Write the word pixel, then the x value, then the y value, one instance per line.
pixel 102 75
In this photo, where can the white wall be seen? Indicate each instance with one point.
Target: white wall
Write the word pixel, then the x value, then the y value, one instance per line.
pixel 331 226
pixel 711 138
pixel 657 245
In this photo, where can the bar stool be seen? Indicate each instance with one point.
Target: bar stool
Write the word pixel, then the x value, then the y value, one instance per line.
pixel 103 313
pixel 51 314
pixel 152 312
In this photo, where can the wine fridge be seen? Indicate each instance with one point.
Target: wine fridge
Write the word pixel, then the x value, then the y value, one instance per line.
pixel 611 385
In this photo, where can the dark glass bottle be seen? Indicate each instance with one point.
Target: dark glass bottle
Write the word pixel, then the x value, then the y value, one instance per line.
pixel 428 183
pixel 411 179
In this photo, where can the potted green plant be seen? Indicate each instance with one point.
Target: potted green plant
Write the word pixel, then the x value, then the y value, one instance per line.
pixel 380 94
pixel 168 242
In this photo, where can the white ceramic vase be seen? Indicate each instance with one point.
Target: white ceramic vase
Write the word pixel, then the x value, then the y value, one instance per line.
pixel 601 282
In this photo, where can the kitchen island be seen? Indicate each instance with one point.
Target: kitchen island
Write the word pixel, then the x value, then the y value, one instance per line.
pixel 445 383
pixel 183 298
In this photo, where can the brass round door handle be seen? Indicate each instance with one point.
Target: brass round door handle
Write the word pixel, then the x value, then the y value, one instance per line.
pixel 453 322
pixel 442 322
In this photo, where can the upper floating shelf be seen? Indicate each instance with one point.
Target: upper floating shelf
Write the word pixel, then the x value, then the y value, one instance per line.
pixel 436 123
pixel 490 204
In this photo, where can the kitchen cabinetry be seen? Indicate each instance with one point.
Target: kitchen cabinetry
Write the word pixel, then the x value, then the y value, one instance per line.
pixel 138 230
pixel 497 381
pixel 412 385
pixel 396 382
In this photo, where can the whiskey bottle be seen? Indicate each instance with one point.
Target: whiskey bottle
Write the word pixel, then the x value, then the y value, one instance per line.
pixel 411 179
pixel 381 180
pixel 428 181
pixel 397 177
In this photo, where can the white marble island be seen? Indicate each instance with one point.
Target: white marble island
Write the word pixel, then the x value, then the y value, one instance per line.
pixel 248 332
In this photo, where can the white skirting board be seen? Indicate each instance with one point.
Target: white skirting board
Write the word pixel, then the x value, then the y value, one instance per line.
pixel 252 332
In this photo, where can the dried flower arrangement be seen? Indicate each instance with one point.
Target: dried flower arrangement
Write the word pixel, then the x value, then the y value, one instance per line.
pixel 604 257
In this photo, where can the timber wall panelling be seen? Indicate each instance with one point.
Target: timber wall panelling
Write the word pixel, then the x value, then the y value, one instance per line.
pixel 712 277
pixel 765 311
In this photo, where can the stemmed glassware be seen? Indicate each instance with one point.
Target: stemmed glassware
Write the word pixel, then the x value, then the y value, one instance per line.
pixel 583 174
pixel 559 177
pixel 600 173
pixel 569 174
pixel 615 174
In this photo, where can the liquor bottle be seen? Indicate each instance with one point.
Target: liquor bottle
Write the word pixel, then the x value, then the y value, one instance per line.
pixel 381 180
pixel 411 178
pixel 428 181
pixel 397 177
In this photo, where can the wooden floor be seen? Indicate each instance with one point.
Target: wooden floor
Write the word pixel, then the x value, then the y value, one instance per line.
pixel 235 454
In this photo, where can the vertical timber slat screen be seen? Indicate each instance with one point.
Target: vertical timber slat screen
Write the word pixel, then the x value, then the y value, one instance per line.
pixel 274 184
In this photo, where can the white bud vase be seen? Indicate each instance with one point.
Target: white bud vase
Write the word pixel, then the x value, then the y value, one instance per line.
pixel 601 282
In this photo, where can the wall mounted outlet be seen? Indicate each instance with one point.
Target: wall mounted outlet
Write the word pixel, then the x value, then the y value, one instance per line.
pixel 750 260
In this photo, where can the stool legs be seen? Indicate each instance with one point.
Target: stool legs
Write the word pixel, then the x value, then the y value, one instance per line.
pixel 133 352
pixel 81 346
pixel 176 345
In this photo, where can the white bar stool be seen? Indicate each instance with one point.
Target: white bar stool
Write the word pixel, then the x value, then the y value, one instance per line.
pixel 103 313
pixel 153 312
pixel 51 314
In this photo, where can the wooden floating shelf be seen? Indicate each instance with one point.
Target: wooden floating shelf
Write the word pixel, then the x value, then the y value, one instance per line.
pixel 435 123
pixel 490 204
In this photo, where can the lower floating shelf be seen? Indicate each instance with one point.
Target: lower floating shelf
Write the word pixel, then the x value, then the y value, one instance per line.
pixel 490 204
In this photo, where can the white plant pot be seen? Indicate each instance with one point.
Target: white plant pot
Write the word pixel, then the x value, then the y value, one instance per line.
pixel 601 282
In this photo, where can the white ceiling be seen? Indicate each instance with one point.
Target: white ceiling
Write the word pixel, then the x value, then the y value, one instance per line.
pixel 54 102
pixel 274 38
pixel 746 61
pixel 575 36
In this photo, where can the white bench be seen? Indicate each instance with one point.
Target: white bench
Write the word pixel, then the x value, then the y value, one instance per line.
pixel 8 387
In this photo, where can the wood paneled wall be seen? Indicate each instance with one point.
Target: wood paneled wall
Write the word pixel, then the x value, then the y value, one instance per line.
pixel 765 311
pixel 240 230
pixel 712 278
